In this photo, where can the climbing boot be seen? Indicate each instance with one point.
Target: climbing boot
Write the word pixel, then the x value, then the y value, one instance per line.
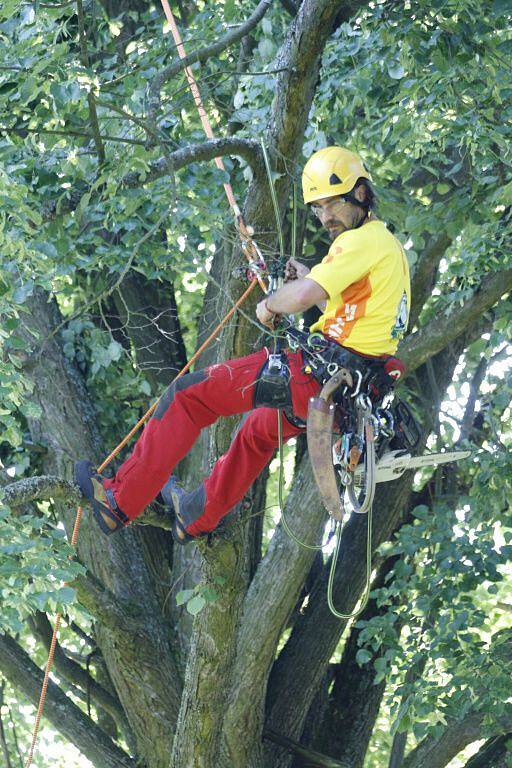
pixel 104 507
pixel 173 495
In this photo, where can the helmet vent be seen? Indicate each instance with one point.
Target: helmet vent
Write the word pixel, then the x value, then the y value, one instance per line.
pixel 335 179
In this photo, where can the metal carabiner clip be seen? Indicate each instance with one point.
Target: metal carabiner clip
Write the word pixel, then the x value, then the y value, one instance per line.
pixel 364 403
pixel 358 385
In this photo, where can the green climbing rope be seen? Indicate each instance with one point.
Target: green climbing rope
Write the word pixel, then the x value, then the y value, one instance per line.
pixel 286 526
pixel 338 531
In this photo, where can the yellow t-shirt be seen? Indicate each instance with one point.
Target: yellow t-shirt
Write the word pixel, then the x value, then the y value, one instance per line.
pixel 366 277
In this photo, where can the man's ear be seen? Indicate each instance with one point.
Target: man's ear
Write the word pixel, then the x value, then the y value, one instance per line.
pixel 360 193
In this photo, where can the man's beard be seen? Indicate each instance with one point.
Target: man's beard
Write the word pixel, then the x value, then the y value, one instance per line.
pixel 335 228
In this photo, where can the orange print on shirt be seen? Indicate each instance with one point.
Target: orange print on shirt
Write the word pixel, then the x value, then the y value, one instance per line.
pixel 331 254
pixel 352 308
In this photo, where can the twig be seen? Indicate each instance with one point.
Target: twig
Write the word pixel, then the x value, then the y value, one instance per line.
pixel 201 55
pixel 108 291
pixel 100 149
pixel 80 134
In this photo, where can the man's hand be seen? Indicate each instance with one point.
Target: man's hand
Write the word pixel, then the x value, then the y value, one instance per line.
pixel 294 270
pixel 264 315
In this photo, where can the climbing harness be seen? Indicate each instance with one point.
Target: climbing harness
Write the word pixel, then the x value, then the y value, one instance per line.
pixel 320 427
pixel 272 388
pixel 356 438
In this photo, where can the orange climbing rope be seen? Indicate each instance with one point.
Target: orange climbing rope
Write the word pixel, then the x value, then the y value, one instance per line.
pixel 252 253
pixel 249 246
pixel 51 653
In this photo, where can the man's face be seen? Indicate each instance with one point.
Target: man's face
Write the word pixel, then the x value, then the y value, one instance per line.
pixel 335 214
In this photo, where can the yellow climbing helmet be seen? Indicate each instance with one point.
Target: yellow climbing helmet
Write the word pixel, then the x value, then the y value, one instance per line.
pixel 331 171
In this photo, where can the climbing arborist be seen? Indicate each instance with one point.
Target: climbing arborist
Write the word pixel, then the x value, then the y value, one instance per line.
pixel 362 288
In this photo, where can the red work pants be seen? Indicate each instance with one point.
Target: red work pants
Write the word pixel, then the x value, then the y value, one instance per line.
pixel 191 403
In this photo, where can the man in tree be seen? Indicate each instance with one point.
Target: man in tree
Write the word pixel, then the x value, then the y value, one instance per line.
pixel 362 288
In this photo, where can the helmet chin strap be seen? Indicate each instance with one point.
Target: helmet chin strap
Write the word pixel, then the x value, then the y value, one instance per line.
pixel 366 208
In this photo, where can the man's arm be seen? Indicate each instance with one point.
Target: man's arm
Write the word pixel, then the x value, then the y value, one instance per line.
pixel 291 299
pixel 295 271
pixel 296 296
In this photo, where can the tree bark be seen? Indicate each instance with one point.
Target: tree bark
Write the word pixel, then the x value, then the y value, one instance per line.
pixel 150 319
pixel 493 754
pixel 354 701
pixel 145 674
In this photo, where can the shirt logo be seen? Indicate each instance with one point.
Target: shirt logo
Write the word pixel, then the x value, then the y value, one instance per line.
pixel 402 316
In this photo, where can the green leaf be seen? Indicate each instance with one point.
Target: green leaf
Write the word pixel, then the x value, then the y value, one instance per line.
pixel 196 605
pixel 66 595
pixel 31 410
pixel 229 9
pixel 395 70
pixel 363 656
pixel 114 350
pixel 183 596
pixel 23 292
pixel 210 595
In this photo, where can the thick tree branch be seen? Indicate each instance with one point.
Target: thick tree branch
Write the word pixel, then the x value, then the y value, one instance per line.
pixel 65 716
pixel 203 54
pixel 435 336
pixel 311 758
pixel 438 752
pixel 493 754
pixel 273 594
pixel 248 149
pixel 77 675
pixel 423 279
pixel 353 698
pixel 40 488
pixel 114 613
pixel 45 487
